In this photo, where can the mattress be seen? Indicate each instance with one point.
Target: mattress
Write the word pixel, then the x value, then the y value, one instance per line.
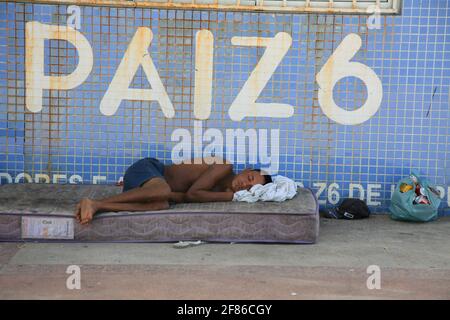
pixel 45 212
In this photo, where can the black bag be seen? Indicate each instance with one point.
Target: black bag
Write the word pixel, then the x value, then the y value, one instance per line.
pixel 349 209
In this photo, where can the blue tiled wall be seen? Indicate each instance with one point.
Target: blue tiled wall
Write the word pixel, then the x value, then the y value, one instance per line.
pixel 70 136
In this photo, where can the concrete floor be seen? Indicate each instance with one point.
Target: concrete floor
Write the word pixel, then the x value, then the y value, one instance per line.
pixel 414 260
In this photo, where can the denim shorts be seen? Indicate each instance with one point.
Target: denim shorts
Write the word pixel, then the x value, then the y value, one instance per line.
pixel 141 171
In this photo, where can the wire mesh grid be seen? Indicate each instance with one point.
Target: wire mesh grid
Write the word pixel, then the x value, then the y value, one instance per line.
pixel 70 140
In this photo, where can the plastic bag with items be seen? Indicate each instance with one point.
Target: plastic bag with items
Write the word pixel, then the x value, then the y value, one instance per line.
pixel 414 199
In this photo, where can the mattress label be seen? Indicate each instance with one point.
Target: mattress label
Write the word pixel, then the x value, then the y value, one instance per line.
pixel 47 228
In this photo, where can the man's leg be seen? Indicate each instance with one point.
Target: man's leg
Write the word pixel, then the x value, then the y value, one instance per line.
pixel 153 190
pixel 89 207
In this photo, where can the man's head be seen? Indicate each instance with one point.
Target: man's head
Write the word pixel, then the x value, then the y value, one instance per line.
pixel 248 178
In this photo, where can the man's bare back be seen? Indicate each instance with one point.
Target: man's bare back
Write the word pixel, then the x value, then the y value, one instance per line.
pixel 180 177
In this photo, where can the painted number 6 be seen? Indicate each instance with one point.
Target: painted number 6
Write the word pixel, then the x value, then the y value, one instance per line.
pixel 339 66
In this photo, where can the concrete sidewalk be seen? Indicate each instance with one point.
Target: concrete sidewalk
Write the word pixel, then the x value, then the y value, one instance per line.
pixel 414 261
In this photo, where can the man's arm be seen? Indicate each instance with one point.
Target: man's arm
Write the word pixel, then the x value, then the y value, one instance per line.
pixel 200 191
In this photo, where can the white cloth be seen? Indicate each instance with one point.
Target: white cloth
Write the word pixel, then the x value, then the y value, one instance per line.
pixel 186 244
pixel 280 189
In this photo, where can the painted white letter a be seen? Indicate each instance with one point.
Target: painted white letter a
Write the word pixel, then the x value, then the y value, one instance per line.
pixel 137 54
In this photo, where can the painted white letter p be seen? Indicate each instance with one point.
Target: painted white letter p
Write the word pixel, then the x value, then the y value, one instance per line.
pixel 36 80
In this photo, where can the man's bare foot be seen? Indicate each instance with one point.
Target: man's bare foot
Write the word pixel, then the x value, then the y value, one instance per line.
pixel 88 209
pixel 77 212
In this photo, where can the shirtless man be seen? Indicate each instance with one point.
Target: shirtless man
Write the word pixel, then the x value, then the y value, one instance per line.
pixel 149 185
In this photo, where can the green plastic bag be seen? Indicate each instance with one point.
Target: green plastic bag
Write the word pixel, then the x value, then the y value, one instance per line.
pixel 402 205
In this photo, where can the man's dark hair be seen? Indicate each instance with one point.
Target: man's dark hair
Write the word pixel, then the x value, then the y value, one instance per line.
pixel 267 177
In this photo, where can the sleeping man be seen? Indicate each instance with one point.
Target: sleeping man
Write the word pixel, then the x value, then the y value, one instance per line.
pixel 150 185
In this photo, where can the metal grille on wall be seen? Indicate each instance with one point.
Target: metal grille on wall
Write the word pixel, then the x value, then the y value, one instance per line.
pixel 77 136
pixel 290 6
